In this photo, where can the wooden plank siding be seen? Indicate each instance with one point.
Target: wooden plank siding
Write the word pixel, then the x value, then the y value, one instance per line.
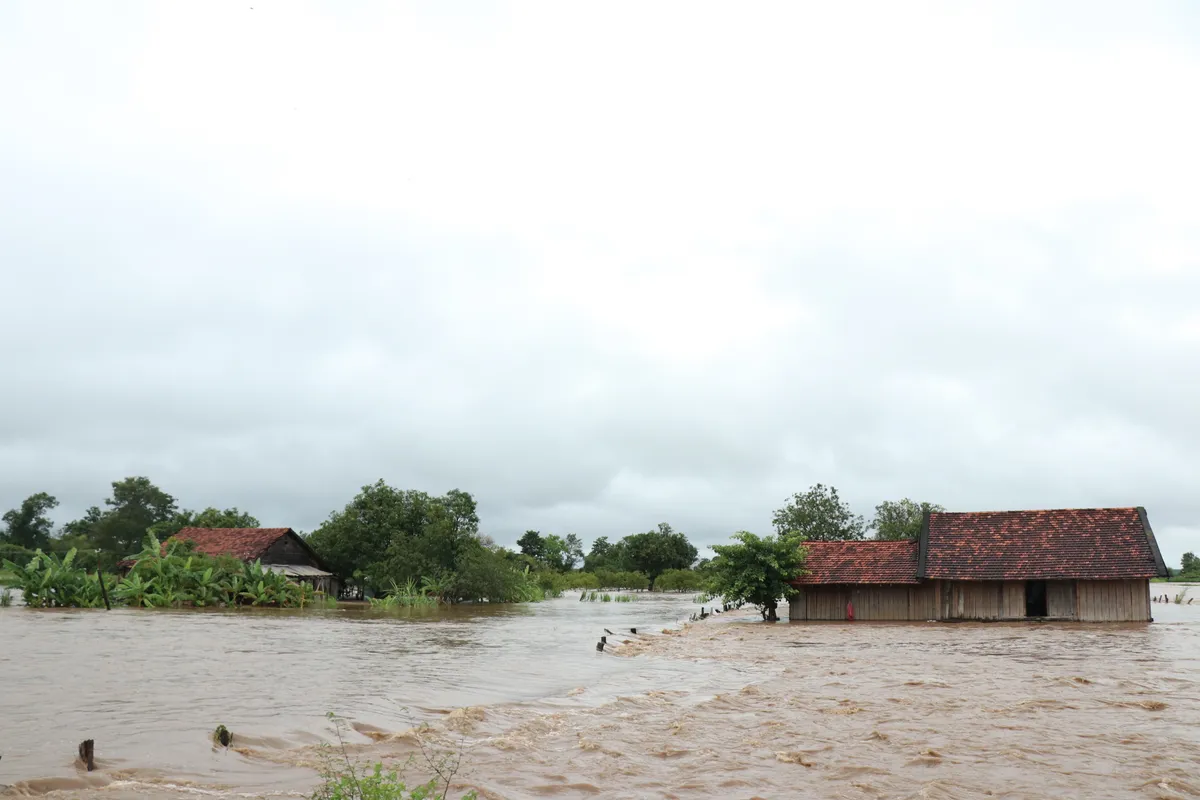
pixel 1087 601
pixel 1060 599
pixel 1013 600
pixel 1113 601
pixel 895 602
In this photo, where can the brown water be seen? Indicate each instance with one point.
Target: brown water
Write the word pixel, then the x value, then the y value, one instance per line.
pixel 728 708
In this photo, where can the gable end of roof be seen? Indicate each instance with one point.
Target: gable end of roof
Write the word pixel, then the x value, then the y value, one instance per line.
pixel 1154 551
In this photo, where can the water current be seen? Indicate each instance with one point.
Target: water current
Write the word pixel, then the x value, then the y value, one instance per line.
pixel 730 707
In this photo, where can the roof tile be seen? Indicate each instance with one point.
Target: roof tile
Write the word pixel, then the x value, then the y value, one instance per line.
pixel 244 543
pixel 1069 544
pixel 860 562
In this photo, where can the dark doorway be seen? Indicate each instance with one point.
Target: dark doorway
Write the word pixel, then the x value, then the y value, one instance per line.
pixel 1035 598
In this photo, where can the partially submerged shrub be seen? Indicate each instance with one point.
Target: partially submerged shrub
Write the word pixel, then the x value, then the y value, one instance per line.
pixel 342 778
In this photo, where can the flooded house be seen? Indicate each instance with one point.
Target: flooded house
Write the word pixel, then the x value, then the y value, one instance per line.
pixel 279 549
pixel 1090 565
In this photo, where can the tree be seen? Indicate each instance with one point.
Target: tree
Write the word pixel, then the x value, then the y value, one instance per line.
pixel 1189 567
pixel 387 535
pixel 678 580
pixel 656 551
pixel 81 529
pixel 208 518
pixel 898 520
pixel 28 526
pixel 551 551
pixel 136 505
pixel 533 545
pixel 819 515
pixel 758 571
pixel 603 556
pixel 572 551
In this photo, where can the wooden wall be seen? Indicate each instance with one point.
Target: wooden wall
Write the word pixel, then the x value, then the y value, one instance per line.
pixel 982 599
pixel 871 602
pixel 1087 601
pixel 287 550
pixel 1060 599
pixel 1113 601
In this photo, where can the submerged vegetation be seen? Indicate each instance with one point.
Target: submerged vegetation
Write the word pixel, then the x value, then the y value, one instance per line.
pixel 160 576
pixel 605 597
pixel 343 778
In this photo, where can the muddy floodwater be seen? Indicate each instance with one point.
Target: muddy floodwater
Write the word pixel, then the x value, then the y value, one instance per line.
pixel 729 707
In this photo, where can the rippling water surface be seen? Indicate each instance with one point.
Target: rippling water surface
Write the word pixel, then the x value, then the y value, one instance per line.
pixel 730 707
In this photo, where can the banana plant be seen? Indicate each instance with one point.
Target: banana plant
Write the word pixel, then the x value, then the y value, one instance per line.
pixel 439 586
pixel 135 591
pixel 258 594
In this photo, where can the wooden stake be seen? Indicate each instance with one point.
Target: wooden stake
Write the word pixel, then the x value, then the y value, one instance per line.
pixel 87 754
pixel 103 589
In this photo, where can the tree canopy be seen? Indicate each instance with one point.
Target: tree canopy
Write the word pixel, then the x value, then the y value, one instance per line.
pixel 28 526
pixel 117 531
pixel 387 537
pixel 819 515
pixel 208 518
pixel 557 553
pixel 1189 567
pixel 603 556
pixel 656 551
pixel 756 570
pixel 896 520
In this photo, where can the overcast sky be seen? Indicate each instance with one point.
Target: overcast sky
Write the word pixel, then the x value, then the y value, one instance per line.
pixel 603 265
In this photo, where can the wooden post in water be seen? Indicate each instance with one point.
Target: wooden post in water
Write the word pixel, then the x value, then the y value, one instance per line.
pixel 87 754
pixel 103 589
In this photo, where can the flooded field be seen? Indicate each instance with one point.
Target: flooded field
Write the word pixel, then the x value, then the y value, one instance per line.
pixel 729 707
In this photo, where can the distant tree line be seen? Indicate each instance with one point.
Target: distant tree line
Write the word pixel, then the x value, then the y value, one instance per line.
pixel 1189 568
pixel 387 537
pixel 106 535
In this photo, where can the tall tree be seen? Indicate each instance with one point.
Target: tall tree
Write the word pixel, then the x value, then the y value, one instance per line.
pixel 572 551
pixel 654 552
pixel 135 506
pixel 598 557
pixel 532 544
pixel 1190 567
pixel 386 534
pixel 208 518
pixel 896 520
pixel 28 525
pixel 756 570
pixel 819 515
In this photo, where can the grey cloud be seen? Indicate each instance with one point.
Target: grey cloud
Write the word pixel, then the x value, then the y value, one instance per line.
pixel 173 313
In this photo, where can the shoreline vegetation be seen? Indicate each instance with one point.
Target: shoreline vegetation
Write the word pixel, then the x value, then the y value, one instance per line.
pixel 160 576
pixel 398 548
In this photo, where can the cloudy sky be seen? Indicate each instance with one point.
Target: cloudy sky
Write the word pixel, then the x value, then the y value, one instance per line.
pixel 603 265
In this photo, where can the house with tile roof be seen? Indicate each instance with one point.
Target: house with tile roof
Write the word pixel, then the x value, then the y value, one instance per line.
pixel 279 549
pixel 1090 565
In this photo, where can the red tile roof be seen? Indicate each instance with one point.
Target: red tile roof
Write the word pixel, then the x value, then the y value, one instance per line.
pixel 860 562
pixel 1072 544
pixel 244 543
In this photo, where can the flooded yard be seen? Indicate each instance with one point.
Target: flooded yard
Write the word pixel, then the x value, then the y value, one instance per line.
pixel 729 707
